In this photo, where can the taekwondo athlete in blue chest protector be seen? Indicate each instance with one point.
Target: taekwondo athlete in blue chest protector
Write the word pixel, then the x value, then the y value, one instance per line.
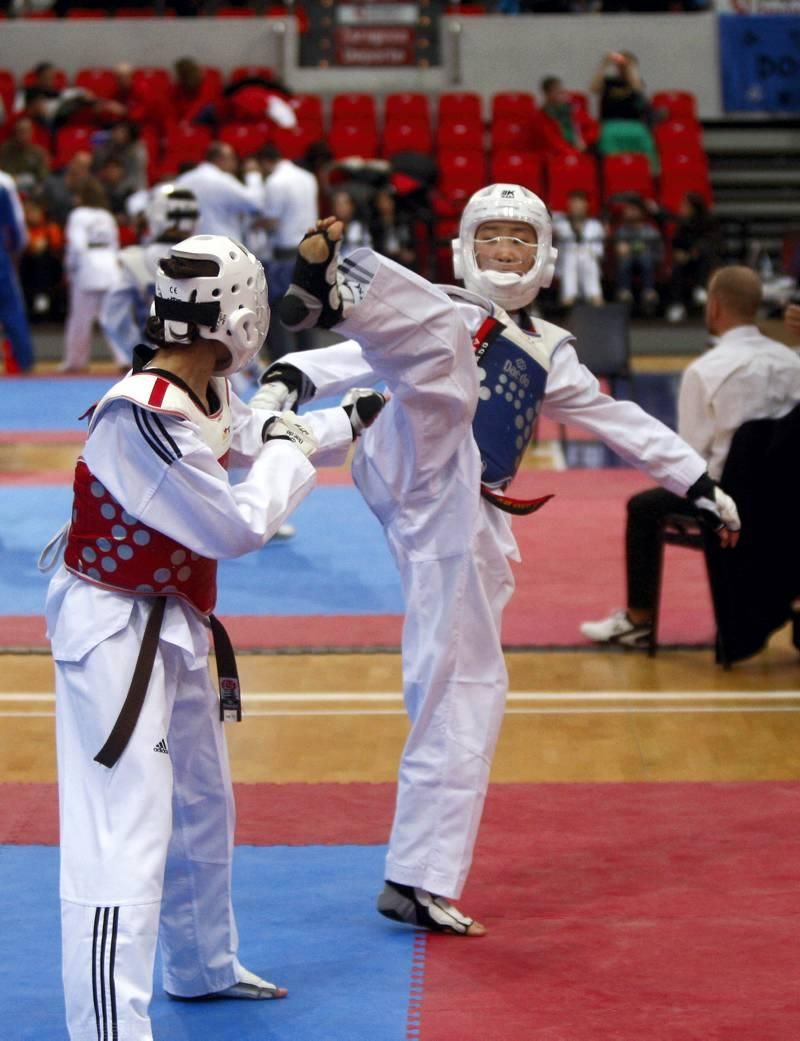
pixel 434 469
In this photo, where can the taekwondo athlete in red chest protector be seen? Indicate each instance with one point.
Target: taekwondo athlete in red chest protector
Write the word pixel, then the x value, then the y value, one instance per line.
pixel 434 469
pixel 146 802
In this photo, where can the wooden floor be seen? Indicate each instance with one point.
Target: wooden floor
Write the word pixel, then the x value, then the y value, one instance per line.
pixel 571 716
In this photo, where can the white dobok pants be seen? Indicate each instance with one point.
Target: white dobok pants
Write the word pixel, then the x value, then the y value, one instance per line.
pixel 146 846
pixel 419 470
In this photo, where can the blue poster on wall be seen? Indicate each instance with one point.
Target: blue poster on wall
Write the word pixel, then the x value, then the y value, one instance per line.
pixel 760 63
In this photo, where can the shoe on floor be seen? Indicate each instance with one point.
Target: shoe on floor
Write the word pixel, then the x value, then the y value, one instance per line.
pixel 618 628
pixel 249 988
pixel 425 910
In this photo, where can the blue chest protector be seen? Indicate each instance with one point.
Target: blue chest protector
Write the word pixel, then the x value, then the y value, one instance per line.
pixel 513 367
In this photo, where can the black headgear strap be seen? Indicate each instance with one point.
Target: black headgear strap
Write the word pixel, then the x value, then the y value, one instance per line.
pixel 204 314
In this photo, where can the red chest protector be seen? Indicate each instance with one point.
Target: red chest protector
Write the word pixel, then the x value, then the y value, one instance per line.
pixel 111 548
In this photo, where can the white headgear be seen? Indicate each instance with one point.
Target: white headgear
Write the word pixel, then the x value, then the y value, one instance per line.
pixel 228 305
pixel 505 202
pixel 171 206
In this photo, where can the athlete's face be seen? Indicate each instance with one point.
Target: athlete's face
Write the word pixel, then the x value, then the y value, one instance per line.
pixel 505 245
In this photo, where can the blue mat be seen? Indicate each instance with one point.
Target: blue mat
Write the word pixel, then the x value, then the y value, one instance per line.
pixel 338 563
pixel 48 404
pixel 306 918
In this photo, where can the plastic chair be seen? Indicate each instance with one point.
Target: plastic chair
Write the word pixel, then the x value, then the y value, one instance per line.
pixel 460 175
pixel 406 137
pixel 246 138
pixel 153 79
pixel 514 105
pixel 682 174
pixel 354 108
pixel 293 142
pixel 510 135
pixel 100 81
pixel 353 139
pixel 245 72
pixel 525 168
pixel 7 90
pixel 459 137
pixel 406 107
pixel 628 172
pixel 571 172
pixel 459 106
pixel 678 104
pixel 188 141
pixel 68 141
pixel 308 110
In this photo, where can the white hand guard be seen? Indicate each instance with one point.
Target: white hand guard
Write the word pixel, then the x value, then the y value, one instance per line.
pixel 715 507
pixel 363 407
pixel 289 427
pixel 274 397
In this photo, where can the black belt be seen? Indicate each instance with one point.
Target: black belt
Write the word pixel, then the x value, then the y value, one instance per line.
pixel 230 700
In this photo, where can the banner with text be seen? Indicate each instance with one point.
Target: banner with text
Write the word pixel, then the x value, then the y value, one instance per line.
pixel 760 63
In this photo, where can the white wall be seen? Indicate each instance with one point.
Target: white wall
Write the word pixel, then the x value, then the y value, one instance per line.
pixel 496 52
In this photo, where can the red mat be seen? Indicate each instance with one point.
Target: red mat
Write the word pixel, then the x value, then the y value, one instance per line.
pixel 572 570
pixel 616 912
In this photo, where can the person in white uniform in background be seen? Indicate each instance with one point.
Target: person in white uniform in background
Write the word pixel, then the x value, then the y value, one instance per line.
pixel 172 215
pixel 227 207
pixel 581 244
pixel 90 264
pixel 434 469
pixel 146 804
pixel 291 206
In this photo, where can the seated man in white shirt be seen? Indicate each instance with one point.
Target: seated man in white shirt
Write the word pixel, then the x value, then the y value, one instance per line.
pixel 744 376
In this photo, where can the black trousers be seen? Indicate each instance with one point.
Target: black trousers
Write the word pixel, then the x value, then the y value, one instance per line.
pixel 646 511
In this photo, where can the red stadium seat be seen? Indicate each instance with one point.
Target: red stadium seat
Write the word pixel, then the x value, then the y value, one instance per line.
pixel 627 172
pixel 459 137
pixel 406 137
pixel 459 106
pixel 525 168
pixel 308 110
pixel 352 108
pixel 570 172
pixel 153 79
pixel 101 82
pixel 677 135
pixel 579 102
pixel 246 72
pixel 353 139
pixel 514 105
pixel 68 141
pixel 143 12
pixel 461 174
pixel 188 141
pixel 510 135
pixel 677 104
pixel 406 107
pixel 293 142
pixel 682 174
pixel 234 12
pixel 246 138
pixel 85 12
pixel 7 91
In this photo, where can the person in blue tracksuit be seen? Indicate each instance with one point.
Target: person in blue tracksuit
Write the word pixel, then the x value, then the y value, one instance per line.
pixel 13 237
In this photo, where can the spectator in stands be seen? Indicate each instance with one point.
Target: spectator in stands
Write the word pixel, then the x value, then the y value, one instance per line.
pixel 290 204
pixel 133 100
pixel 575 128
pixel 227 206
pixel 59 190
pixel 581 245
pixel 20 156
pixel 13 323
pixel 696 250
pixel 92 241
pixel 624 108
pixel 744 376
pixel 193 93
pixel 45 102
pixel 41 264
pixel 391 233
pixel 122 145
pixel 356 232
pixel 638 250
